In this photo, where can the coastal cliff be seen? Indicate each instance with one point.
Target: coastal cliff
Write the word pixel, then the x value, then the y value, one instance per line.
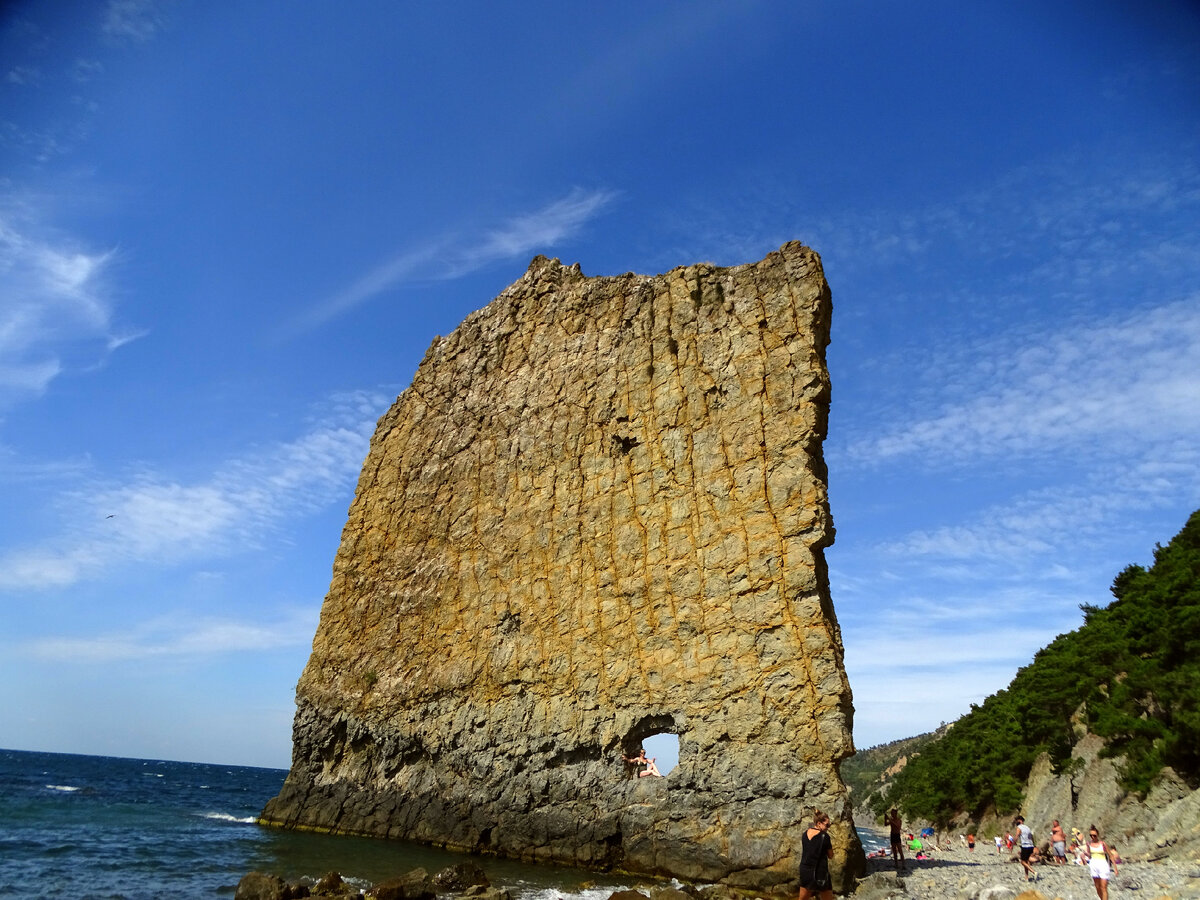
pixel 598 513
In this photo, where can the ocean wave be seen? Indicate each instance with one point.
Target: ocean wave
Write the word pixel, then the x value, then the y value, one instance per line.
pixel 558 893
pixel 225 817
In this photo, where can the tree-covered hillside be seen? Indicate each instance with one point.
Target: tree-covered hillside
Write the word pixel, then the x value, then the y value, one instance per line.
pixel 1130 673
pixel 868 772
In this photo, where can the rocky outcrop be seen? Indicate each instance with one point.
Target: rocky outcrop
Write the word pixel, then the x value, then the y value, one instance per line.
pixel 1164 823
pixel 598 513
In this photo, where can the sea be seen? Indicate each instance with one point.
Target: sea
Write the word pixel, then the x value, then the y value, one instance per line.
pixel 125 829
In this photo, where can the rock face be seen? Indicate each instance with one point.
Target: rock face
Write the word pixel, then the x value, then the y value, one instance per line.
pixel 598 513
pixel 1165 823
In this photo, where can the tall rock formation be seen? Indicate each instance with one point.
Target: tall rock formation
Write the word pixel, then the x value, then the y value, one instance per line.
pixel 598 513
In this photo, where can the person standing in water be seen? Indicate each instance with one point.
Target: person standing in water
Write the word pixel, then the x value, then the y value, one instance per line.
pixel 893 821
pixel 1098 857
pixel 816 849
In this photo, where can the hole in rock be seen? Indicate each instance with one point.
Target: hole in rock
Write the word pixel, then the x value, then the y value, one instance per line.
pixel 657 736
pixel 664 750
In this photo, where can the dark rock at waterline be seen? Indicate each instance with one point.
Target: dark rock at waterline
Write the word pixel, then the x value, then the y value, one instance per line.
pixel 722 892
pixel 478 892
pixel 331 884
pixel 460 877
pixel 262 886
pixel 666 892
pixel 414 885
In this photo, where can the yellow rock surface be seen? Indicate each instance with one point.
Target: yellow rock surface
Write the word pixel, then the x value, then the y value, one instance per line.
pixel 598 512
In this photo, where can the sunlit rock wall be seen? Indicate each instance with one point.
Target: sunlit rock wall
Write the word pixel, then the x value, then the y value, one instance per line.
pixel 598 513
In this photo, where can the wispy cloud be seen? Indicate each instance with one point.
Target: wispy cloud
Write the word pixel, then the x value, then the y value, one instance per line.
pixel 176 637
pixel 23 75
pixel 132 20
pixel 527 233
pixel 54 307
pixel 453 256
pixel 916 660
pixel 1103 387
pixel 1101 223
pixel 157 520
pixel 908 673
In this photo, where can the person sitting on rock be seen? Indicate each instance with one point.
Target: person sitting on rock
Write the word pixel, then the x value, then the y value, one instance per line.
pixel 634 763
pixel 651 768
pixel 641 760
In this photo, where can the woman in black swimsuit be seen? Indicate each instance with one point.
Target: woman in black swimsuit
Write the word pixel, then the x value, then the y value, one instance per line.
pixel 816 849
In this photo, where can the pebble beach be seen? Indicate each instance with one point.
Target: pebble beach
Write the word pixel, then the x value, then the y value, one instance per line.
pixel 983 875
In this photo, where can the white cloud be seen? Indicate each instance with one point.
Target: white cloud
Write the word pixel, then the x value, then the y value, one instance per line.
pixel 450 257
pixel 54 308
pixel 541 229
pixel 173 637
pixel 134 20
pixel 153 519
pixel 1100 388
pixel 923 649
pixel 915 665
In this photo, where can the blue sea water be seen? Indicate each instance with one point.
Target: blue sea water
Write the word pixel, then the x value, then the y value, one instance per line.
pixel 101 827
pixel 107 828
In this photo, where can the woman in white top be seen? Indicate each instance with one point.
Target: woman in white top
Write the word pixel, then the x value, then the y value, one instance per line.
pixel 1098 856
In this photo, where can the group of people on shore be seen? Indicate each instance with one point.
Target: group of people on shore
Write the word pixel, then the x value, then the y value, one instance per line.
pixel 1101 859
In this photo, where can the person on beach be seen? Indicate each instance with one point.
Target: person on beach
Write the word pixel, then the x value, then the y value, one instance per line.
pixel 1078 845
pixel 971 843
pixel 1058 840
pixel 816 849
pixel 999 844
pixel 1099 856
pixel 1025 840
pixel 893 822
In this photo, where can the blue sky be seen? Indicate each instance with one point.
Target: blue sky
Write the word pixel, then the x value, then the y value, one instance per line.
pixel 229 232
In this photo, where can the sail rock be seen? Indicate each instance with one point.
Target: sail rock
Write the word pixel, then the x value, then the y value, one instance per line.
pixel 598 513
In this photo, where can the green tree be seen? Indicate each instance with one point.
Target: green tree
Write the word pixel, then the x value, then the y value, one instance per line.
pixel 1132 671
